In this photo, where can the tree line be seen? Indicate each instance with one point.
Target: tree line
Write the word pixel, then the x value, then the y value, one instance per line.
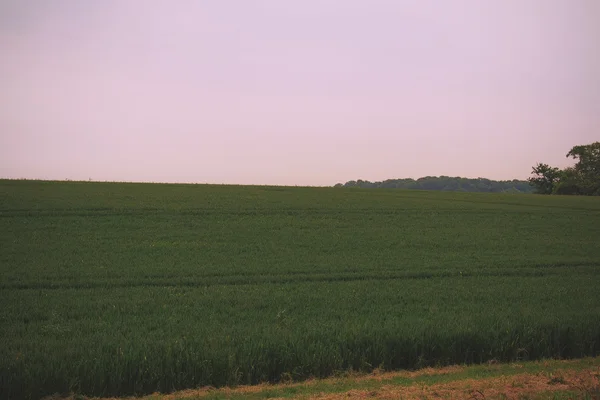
pixel 446 183
pixel 581 179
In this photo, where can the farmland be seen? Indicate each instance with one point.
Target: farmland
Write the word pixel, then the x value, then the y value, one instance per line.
pixel 115 289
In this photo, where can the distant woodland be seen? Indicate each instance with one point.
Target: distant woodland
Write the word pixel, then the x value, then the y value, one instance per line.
pixel 447 183
pixel 581 179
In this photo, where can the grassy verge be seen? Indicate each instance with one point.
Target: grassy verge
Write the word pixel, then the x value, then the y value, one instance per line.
pixel 547 379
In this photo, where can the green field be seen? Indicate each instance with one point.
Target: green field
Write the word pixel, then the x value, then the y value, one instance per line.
pixel 116 289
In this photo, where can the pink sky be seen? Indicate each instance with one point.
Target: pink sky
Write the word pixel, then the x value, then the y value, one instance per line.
pixel 294 92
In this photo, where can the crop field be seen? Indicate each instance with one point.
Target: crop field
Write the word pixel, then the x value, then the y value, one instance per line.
pixel 116 289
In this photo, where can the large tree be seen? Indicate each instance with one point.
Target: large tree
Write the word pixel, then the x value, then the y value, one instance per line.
pixel 587 167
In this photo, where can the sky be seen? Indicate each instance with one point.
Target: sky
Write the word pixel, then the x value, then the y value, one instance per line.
pixel 309 92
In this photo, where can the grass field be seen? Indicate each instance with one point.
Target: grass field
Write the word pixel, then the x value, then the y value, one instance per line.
pixel 116 289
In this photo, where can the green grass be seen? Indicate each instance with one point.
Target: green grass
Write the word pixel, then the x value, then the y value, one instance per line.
pixel 116 289
pixel 342 384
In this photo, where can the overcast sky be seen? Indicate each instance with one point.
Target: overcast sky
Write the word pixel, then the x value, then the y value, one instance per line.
pixel 308 92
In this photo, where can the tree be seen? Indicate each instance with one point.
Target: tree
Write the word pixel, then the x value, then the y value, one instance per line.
pixel 546 177
pixel 583 178
pixel 588 157
pixel 568 183
pixel 587 167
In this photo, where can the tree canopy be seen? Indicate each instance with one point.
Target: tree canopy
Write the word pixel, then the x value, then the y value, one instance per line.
pixel 446 183
pixel 581 179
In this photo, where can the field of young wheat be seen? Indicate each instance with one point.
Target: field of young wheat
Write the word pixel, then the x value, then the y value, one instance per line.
pixel 118 289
